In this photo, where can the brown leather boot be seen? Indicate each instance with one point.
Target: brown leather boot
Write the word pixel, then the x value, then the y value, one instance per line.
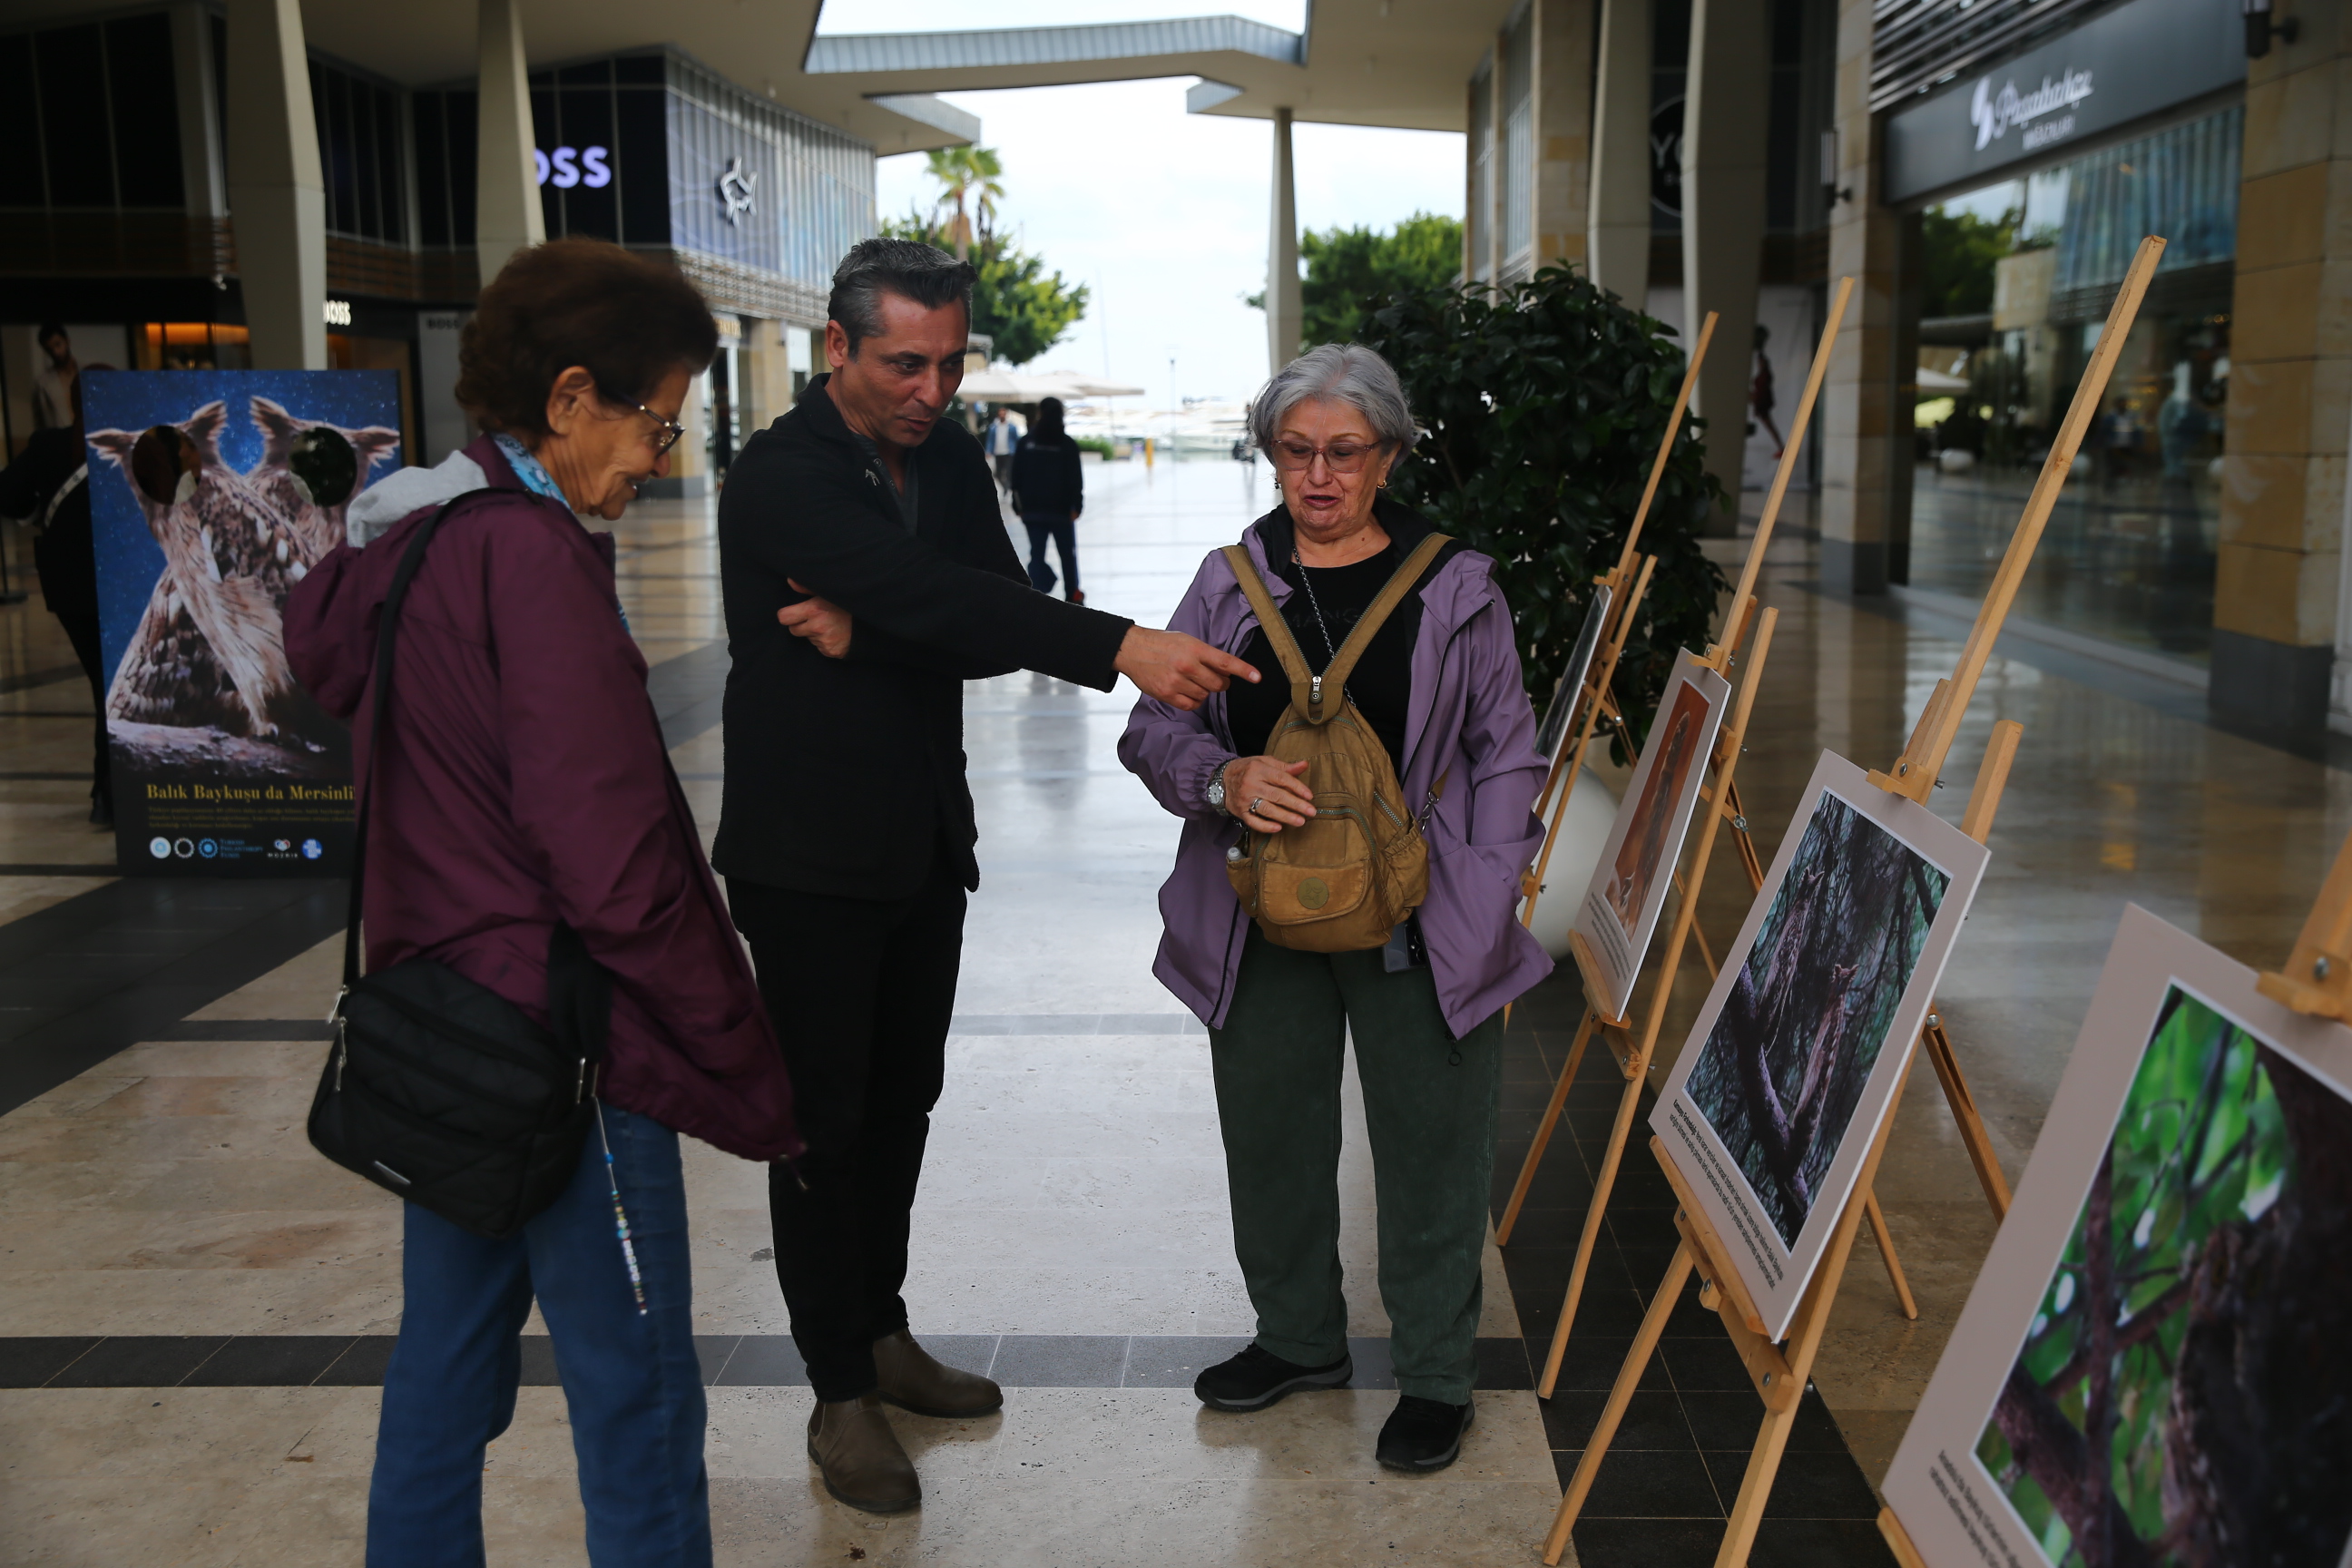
pixel 913 1381
pixel 858 1454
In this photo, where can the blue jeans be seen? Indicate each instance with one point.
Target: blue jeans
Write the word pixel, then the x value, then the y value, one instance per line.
pixel 630 1382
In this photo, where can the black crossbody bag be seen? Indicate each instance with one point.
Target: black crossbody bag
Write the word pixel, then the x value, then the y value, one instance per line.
pixel 439 1089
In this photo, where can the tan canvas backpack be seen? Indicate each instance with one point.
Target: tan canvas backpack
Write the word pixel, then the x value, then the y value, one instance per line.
pixel 1345 878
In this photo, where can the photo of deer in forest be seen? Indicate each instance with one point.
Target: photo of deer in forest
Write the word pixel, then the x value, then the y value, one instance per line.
pixel 1791 1050
pixel 2184 1394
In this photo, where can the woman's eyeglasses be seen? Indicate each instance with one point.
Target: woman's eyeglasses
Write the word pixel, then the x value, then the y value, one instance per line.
pixel 1339 456
pixel 671 431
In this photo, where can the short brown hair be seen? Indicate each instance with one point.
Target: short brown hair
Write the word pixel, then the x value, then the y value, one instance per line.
pixel 627 318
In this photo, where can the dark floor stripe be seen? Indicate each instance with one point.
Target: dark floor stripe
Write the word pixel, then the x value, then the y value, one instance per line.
pixel 728 1360
pixel 127 961
pixel 249 1029
pixel 30 679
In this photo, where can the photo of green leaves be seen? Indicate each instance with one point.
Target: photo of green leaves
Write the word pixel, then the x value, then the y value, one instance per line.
pixel 1785 1064
pixel 2184 1394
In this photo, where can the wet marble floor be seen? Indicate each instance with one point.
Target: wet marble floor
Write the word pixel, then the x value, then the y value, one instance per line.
pixel 165 1216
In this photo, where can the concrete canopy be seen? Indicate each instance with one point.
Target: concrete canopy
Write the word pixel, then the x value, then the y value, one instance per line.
pixel 759 45
pixel 1398 63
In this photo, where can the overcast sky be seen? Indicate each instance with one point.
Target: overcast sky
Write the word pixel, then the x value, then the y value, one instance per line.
pixel 1163 214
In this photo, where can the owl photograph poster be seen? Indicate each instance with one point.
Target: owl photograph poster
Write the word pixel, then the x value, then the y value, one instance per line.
pixel 211 494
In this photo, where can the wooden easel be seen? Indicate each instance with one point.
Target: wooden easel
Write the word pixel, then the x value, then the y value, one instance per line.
pixel 1627 581
pixel 2317 981
pixel 1723 806
pixel 1780 1372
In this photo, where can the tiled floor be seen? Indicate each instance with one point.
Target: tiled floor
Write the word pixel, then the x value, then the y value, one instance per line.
pixel 193 1307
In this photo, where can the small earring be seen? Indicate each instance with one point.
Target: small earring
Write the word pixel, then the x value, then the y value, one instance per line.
pixel 1384 484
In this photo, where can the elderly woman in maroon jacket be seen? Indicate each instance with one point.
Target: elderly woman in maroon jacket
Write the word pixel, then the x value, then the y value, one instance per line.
pixel 1440 685
pixel 524 780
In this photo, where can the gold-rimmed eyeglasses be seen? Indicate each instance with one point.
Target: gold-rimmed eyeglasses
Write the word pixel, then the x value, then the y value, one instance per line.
pixel 672 432
pixel 1339 456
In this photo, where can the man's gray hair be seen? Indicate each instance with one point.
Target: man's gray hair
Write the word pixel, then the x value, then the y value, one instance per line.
pixel 1350 373
pixel 923 273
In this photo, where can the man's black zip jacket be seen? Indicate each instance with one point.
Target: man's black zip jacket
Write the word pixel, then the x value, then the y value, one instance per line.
pixel 844 776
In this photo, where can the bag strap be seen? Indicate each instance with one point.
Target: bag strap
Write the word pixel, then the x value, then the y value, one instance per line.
pixel 1400 583
pixel 1304 683
pixel 1306 687
pixel 380 699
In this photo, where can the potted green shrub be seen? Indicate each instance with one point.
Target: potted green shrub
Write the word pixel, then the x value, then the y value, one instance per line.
pixel 1545 402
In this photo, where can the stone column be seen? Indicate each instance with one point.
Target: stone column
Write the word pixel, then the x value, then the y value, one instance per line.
pixel 202 175
pixel 275 193
pixel 1497 112
pixel 1723 219
pixel 507 214
pixel 1860 442
pixel 2279 626
pixel 1284 314
pixel 1561 38
pixel 1617 228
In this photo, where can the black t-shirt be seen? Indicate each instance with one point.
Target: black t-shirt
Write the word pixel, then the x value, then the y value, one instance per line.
pixel 1382 685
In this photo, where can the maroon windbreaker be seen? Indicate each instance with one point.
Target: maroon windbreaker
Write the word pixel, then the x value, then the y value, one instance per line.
pixel 524 779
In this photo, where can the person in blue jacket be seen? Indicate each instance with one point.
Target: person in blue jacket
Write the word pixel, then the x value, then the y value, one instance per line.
pixel 1049 492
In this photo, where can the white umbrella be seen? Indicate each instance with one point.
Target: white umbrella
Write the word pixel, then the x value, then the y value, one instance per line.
pixel 994 386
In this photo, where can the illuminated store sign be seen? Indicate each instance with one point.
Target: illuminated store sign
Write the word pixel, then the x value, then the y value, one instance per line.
pixel 570 166
pixel 2119 68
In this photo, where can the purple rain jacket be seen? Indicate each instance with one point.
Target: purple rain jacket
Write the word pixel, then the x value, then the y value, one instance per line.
pixel 525 778
pixel 1470 723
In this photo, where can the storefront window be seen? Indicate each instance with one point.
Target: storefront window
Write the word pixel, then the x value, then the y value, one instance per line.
pixel 2018 279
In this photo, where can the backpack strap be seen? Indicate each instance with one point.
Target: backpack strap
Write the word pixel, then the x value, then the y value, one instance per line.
pixel 1392 594
pixel 1304 683
pixel 1306 686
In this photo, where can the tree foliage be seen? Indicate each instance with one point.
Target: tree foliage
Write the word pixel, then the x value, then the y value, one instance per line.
pixel 2184 1394
pixel 1544 405
pixel 969 180
pixel 1782 1070
pixel 1958 254
pixel 1353 272
pixel 1016 301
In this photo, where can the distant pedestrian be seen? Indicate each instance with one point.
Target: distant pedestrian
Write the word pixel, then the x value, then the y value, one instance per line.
pixel 53 385
pixel 1759 392
pixel 48 485
pixel 1049 490
pixel 1003 440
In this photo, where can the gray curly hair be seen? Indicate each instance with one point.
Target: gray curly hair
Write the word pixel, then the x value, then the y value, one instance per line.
pixel 1350 373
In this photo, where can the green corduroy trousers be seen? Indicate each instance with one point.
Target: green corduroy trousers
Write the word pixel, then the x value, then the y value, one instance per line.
pixel 1430 1104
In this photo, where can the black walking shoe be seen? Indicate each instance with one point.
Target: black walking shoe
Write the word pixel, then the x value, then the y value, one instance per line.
pixel 1423 1435
pixel 1257 1378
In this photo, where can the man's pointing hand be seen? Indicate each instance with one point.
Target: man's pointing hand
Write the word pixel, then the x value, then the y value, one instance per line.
pixel 1179 670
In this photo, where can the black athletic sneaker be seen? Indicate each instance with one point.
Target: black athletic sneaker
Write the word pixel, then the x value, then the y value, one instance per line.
pixel 1257 1378
pixel 1423 1435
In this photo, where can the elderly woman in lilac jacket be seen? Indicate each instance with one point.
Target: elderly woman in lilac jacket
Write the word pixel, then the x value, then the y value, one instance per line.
pixel 1440 685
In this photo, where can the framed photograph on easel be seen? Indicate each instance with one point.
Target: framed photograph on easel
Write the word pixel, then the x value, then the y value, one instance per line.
pixel 1628 892
pixel 2154 1366
pixel 1803 1040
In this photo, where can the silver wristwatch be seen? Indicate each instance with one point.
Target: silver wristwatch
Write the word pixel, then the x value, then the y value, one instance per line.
pixel 1215 793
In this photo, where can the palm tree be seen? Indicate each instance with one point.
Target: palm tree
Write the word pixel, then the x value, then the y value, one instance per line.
pixel 964 172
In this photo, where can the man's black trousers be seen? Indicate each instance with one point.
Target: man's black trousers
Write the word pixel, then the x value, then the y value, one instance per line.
pixel 861 992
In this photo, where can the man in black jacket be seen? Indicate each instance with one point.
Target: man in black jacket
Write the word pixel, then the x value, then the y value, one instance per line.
pixel 847 833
